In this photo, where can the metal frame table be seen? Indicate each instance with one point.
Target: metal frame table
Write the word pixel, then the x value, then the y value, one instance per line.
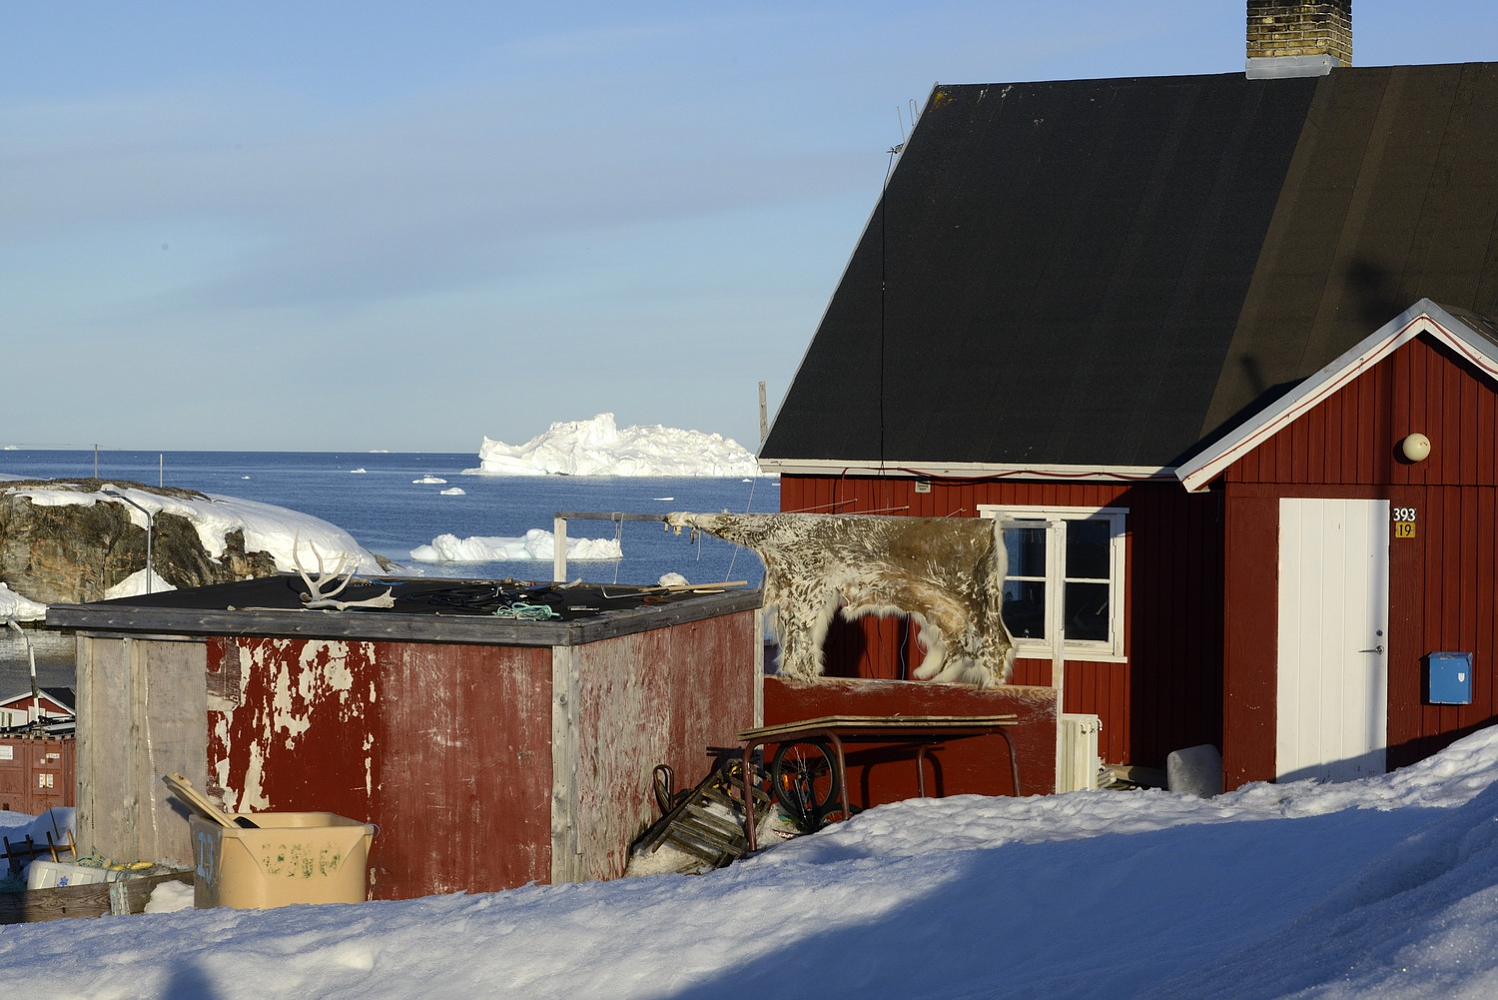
pixel 924 731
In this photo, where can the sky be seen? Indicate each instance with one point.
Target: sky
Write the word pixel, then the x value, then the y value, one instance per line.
pixel 333 226
pixel 1380 889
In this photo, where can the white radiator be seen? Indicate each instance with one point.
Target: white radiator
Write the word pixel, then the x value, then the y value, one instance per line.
pixel 1077 760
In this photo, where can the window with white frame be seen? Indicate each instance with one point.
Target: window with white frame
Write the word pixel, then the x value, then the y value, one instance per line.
pixel 1066 573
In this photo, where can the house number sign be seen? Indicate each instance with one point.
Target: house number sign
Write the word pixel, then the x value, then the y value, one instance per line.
pixel 1404 522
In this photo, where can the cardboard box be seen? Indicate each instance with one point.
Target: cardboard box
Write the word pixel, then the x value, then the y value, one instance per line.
pixel 292 857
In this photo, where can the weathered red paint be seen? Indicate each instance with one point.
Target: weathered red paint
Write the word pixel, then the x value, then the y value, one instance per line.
pixel 1167 693
pixel 1442 582
pixel 977 765
pixel 447 749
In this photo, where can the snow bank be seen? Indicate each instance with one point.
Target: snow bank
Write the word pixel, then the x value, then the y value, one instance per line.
pixel 1378 889
pixel 22 609
pixel 537 544
pixel 598 448
pixel 135 584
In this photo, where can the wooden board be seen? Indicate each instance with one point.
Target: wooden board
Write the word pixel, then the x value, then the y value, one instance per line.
pixel 915 723
pixel 62 902
pixel 149 692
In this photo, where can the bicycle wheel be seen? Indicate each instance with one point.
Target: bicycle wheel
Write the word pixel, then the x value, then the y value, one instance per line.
pixel 804 779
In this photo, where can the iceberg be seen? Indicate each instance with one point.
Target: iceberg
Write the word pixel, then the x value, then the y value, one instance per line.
pixel 536 544
pixel 598 447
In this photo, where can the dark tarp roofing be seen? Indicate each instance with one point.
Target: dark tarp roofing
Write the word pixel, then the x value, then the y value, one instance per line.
pixel 1110 272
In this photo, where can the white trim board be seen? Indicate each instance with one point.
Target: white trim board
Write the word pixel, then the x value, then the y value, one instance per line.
pixel 965 470
pixel 1424 316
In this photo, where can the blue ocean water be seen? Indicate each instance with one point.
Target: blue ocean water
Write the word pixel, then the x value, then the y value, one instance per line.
pixel 390 514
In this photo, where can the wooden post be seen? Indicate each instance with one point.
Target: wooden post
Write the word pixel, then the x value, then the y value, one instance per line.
pixel 1055 613
pixel 559 555
pixel 566 865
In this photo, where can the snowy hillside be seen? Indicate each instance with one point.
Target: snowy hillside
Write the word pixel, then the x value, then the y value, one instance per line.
pixel 598 448
pixel 1382 888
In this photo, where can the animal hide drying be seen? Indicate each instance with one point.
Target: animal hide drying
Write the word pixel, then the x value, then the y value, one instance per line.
pixel 946 573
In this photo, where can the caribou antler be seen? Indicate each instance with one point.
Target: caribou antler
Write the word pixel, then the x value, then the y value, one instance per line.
pixel 315 599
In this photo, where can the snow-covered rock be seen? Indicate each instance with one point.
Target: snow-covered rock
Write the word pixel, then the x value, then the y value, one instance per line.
pixel 82 541
pixel 599 448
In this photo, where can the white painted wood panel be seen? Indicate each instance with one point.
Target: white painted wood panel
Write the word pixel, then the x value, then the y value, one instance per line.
pixel 1332 704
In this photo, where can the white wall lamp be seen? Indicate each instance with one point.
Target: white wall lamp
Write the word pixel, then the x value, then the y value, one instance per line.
pixel 1416 447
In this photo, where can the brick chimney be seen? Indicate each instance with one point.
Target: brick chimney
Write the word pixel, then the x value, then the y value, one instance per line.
pixel 1298 37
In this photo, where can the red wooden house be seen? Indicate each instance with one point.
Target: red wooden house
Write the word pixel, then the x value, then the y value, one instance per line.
pixel 1177 331
pixel 49 703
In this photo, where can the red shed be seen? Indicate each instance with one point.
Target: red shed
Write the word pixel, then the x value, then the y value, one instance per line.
pixel 489 751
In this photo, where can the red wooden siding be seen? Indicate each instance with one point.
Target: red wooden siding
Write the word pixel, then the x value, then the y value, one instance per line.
pixel 1353 437
pixel 978 765
pixel 447 748
pixel 1167 693
pixel 1443 589
pixel 1249 640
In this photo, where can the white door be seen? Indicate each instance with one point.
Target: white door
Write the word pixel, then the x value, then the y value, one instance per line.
pixel 1332 712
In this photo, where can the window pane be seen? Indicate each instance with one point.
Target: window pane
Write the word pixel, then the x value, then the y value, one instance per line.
pixel 1024 608
pixel 1086 550
pixel 1087 611
pixel 1026 548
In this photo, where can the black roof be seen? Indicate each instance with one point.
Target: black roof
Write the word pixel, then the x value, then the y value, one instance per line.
pixel 1112 272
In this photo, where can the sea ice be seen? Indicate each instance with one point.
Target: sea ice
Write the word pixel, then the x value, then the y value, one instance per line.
pixel 536 544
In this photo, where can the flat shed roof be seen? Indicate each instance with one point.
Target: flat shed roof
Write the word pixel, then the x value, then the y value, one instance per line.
pixel 474 612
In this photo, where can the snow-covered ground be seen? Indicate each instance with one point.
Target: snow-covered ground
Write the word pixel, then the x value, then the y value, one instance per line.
pixel 599 448
pixel 1381 888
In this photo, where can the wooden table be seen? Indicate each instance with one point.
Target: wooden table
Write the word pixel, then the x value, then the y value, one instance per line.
pixel 923 731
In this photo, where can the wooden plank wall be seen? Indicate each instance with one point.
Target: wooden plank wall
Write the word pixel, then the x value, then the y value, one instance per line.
pixel 1442 581
pixel 657 697
pixel 1167 693
pixel 141 703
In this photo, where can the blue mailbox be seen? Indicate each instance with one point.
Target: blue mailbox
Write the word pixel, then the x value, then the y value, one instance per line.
pixel 1449 677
